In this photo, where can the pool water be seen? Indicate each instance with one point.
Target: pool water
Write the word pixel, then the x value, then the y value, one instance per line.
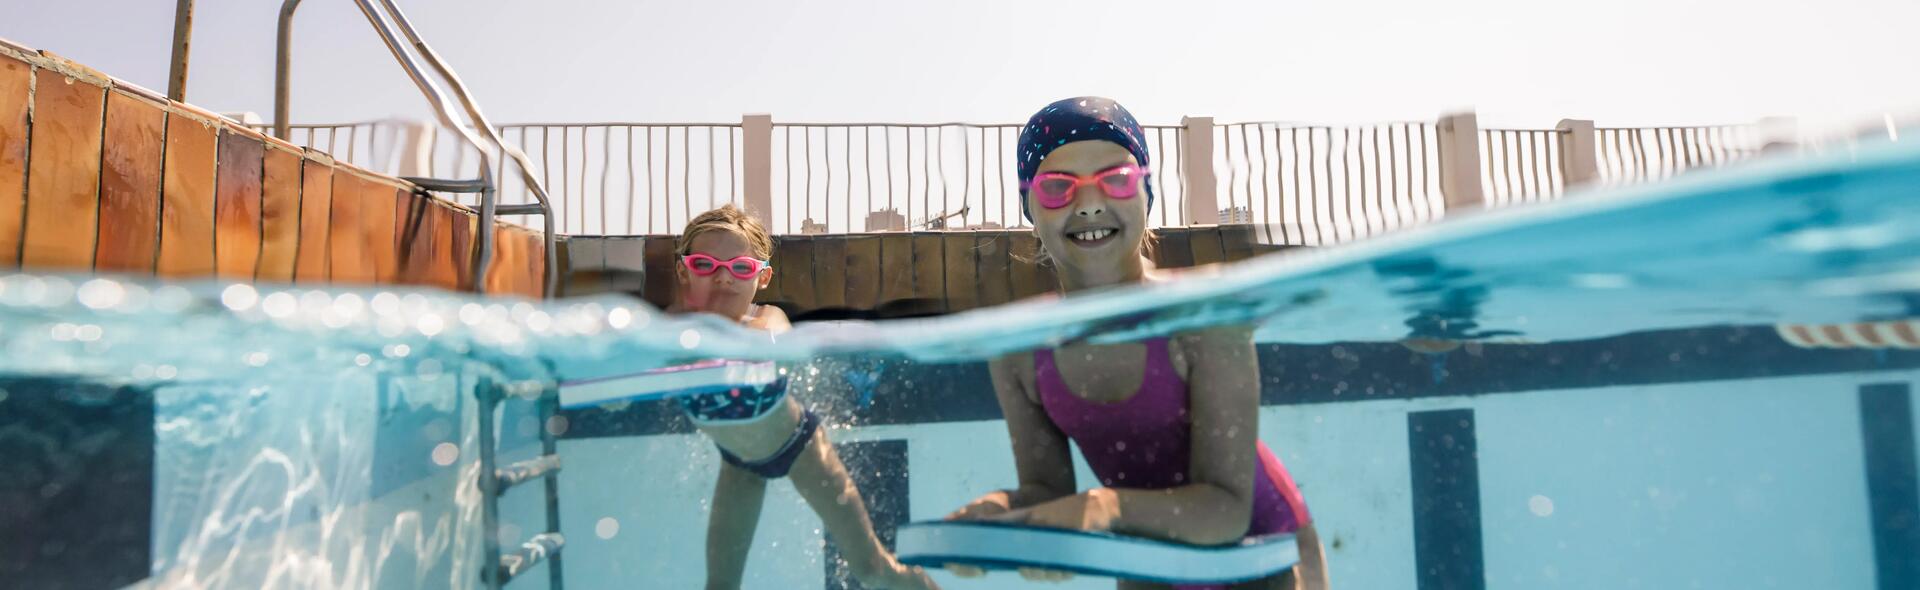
pixel 1617 409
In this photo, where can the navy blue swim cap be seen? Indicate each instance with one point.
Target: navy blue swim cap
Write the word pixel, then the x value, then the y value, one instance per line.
pixel 1086 118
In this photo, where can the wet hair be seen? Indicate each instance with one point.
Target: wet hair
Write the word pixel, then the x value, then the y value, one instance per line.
pixel 727 218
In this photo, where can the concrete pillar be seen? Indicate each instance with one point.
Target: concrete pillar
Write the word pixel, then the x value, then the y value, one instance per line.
pixel 1460 162
pixel 1196 162
pixel 1779 134
pixel 414 154
pixel 1579 153
pixel 757 166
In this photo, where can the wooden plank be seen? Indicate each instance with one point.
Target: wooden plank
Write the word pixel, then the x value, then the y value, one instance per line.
pixel 186 200
pixel 348 261
pixel 661 285
pixel 16 86
pixel 830 271
pixel 1206 246
pixel 236 238
pixel 415 236
pixel 63 173
pixel 535 264
pixel 501 279
pixel 962 275
pixel 626 264
pixel 1027 276
pixel 993 265
pixel 279 216
pixel 381 247
pixel 443 269
pixel 896 267
pixel 585 264
pixel 863 271
pixel 795 255
pixel 1238 242
pixel 316 209
pixel 464 228
pixel 135 146
pixel 1175 248
pixel 929 268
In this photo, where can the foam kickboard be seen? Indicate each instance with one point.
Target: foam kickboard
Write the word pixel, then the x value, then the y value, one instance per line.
pixel 667 382
pixel 999 546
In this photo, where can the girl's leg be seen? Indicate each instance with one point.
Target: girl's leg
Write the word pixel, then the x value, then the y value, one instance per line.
pixel 737 499
pixel 823 481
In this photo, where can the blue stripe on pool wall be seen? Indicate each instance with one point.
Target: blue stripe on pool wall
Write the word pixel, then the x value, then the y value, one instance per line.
pixel 1886 421
pixel 1445 464
pixel 879 469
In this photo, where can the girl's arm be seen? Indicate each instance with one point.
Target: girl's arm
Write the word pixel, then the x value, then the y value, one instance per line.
pixel 737 498
pixel 1040 453
pixel 1217 505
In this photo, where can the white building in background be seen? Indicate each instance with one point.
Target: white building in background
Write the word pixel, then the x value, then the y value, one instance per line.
pixel 809 226
pixel 1234 215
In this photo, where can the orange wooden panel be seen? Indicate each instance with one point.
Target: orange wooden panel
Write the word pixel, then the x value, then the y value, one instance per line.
pixel 348 261
pixel 186 209
pixel 414 236
pixel 536 263
pixel 502 278
pixel 135 147
pixel 443 269
pixel 377 209
pixel 316 211
pixel 279 216
pixel 236 226
pixel 15 87
pixel 63 172
pixel 463 231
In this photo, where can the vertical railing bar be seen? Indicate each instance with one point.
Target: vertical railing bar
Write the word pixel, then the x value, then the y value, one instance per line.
pixel 1424 203
pixel 606 172
pixel 1379 189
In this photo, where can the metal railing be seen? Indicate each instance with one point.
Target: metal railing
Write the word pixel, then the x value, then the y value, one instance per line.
pixel 1521 165
pixel 1315 185
pixel 857 177
pixel 1637 154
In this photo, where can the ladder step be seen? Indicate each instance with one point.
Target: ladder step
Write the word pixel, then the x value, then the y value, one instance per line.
pixel 530 554
pixel 530 209
pixel 518 473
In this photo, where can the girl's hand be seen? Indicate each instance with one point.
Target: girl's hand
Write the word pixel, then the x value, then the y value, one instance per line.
pixel 1095 510
pixel 992 504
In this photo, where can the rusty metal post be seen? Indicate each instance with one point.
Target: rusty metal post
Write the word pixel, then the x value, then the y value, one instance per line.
pixel 182 33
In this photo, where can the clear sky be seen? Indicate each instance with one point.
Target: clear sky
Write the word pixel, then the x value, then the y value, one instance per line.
pixel 1518 62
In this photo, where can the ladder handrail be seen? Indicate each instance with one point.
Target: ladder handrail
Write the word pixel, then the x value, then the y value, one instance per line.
pixel 443 108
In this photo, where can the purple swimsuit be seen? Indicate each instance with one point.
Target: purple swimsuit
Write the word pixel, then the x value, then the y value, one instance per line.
pixel 1144 441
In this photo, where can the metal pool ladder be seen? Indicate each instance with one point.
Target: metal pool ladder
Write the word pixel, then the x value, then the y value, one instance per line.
pixel 496 480
pixel 477 131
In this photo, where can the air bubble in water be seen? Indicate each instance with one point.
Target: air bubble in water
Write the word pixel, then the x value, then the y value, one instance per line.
pixel 1541 506
pixel 239 297
pixel 689 338
pixel 385 303
pixel 606 528
pixel 431 325
pixel 445 454
pixel 557 425
pixel 165 372
pixel 619 318
pixel 101 293
pixel 472 313
pixel 280 305
pixel 362 359
pixel 257 359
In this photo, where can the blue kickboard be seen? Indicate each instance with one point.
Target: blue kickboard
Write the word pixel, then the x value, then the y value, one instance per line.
pixel 1000 546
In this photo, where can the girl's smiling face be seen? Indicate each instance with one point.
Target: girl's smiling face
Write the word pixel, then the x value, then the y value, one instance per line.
pixel 1094 240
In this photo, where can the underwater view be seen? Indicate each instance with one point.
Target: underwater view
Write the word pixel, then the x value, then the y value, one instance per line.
pixel 1619 397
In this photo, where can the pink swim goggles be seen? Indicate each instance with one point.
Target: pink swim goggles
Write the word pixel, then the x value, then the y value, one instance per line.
pixel 1056 189
pixel 743 268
